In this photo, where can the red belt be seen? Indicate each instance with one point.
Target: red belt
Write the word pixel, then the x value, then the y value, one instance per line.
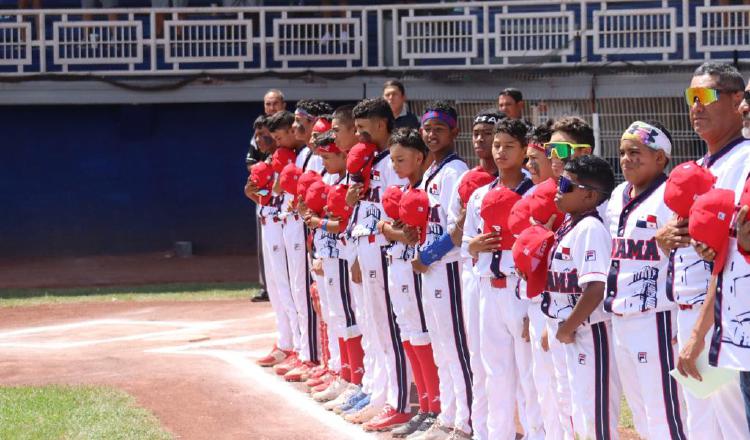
pixel 274 218
pixel 685 307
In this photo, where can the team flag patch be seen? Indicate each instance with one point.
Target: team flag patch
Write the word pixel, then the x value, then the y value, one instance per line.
pixel 434 189
pixel 646 221
pixel 375 175
pixel 590 256
pixel 564 254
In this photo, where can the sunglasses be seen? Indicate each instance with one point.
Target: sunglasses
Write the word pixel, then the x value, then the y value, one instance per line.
pixel 565 186
pixel 705 95
pixel 562 150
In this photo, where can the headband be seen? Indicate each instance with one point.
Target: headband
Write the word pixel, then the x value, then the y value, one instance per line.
pixel 486 119
pixel 440 116
pixel 649 136
pixel 537 146
pixel 302 112
pixel 329 148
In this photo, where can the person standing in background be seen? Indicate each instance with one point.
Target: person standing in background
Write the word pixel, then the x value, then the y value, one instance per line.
pixel 510 102
pixel 273 101
pixel 395 94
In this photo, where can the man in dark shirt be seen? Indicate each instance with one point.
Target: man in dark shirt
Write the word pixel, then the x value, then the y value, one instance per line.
pixel 395 94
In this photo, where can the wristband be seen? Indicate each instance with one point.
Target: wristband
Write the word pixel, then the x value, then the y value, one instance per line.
pixel 324 224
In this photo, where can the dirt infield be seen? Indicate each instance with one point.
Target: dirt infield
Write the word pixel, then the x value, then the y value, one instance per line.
pixel 190 363
pixel 22 273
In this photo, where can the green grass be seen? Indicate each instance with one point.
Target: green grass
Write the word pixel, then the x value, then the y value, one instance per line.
pixel 161 292
pixel 626 416
pixel 66 412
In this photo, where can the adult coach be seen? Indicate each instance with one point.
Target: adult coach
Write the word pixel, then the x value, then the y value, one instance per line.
pixel 273 101
pixel 510 102
pixel 714 95
pixel 395 95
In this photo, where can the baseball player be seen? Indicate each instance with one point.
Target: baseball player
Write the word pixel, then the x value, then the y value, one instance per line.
pixel 644 320
pixel 716 119
pixel 575 289
pixel 503 314
pixel 373 120
pixel 408 154
pixel 269 205
pixel 438 262
pixel 483 129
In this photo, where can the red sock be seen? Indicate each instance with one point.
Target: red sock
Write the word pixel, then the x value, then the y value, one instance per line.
pixel 356 359
pixel 430 375
pixel 346 372
pixel 416 368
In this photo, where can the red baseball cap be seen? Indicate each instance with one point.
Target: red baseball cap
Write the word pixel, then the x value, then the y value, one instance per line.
pixel 414 210
pixel 359 157
pixel 391 198
pixel 305 181
pixel 281 158
pixel 710 221
pixel 542 204
pixel 329 148
pixel 316 197
pixel 495 210
pixel 289 178
pixel 336 203
pixel 321 125
pixel 745 196
pixel 686 182
pixel 520 215
pixel 473 179
pixel 530 253
pixel 261 174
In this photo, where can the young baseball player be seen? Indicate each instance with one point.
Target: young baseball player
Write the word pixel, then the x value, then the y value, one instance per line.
pixel 503 314
pixel 644 320
pixel 483 131
pixel 717 118
pixel 389 400
pixel 571 137
pixel 269 209
pixel 336 297
pixel 408 154
pixel 575 289
pixel 438 260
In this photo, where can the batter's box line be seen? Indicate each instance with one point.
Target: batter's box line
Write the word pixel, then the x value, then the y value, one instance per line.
pixel 214 343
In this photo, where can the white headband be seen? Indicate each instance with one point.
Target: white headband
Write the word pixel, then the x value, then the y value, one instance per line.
pixel 649 136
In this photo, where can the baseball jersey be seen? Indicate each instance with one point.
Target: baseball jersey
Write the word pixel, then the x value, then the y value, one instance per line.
pixel 579 256
pixel 328 244
pixel 638 268
pixel 689 275
pixel 730 344
pixel 489 264
pixel 369 210
pixel 440 182
pixel 399 250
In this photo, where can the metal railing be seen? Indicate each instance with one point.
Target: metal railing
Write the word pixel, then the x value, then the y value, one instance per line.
pixel 440 36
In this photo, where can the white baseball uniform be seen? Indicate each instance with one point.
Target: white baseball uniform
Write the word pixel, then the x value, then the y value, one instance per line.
pixel 392 380
pixel 581 256
pixel 721 415
pixel 505 355
pixel 442 295
pixel 279 292
pixel 299 271
pixel 644 319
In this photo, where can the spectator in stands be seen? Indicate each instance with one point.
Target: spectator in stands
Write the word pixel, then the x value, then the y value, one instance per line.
pixel 160 17
pixel 395 94
pixel 510 102
pixel 91 4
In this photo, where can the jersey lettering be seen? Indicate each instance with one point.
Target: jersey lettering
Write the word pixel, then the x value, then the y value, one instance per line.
pixel 563 282
pixel 372 195
pixel 629 249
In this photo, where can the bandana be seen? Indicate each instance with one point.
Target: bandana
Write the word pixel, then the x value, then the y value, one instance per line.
pixel 329 148
pixel 485 119
pixel 301 112
pixel 440 116
pixel 649 136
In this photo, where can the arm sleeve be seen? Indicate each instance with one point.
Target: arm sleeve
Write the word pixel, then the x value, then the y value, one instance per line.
pixel 591 252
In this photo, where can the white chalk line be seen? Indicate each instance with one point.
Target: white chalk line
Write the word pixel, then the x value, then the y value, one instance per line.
pixel 286 392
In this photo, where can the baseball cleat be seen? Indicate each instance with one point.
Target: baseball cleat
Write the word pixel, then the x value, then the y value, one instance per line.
pixel 388 419
pixel 287 365
pixel 357 405
pixel 365 414
pixel 458 434
pixel 411 426
pixel 298 373
pixel 335 388
pixel 436 431
pixel 276 356
pixel 349 391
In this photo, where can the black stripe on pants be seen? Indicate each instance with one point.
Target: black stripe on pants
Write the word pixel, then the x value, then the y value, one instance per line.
pixel 459 332
pixel 668 384
pixel 398 348
pixel 601 379
pixel 346 297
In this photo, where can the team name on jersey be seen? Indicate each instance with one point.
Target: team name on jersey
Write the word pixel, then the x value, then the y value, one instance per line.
pixel 434 215
pixel 563 282
pixel 630 249
pixel 372 195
